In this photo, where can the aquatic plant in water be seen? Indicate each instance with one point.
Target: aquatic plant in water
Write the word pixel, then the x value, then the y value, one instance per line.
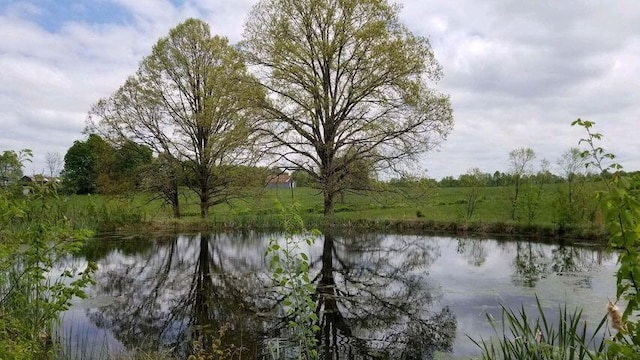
pixel 518 336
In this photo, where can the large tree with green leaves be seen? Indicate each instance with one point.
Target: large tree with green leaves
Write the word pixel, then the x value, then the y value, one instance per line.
pixel 190 100
pixel 11 164
pixel 474 182
pixel 82 163
pixel 96 166
pixel 122 170
pixel 347 83
pixel 573 168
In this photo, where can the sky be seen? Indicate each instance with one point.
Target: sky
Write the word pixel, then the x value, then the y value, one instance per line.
pixel 517 72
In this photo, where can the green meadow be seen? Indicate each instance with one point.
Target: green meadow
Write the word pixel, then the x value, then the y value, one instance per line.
pixel 398 209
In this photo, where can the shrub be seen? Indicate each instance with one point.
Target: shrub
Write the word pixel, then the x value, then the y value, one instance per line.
pixel 33 239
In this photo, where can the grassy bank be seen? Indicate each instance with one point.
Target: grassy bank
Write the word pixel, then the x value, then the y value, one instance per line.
pixel 407 210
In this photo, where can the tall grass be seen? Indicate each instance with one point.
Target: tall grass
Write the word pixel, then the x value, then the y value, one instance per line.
pixel 78 344
pixel 75 343
pixel 102 213
pixel 520 337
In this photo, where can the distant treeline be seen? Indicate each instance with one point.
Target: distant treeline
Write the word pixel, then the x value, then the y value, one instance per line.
pixel 505 179
pixel 95 166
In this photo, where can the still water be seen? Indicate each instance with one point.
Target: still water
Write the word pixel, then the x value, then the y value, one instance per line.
pixel 397 296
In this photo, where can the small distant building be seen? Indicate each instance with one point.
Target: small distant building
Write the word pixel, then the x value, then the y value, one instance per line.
pixel 27 181
pixel 282 181
pixel 38 178
pixel 4 181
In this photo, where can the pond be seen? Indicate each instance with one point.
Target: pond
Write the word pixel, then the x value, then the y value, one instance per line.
pixel 397 296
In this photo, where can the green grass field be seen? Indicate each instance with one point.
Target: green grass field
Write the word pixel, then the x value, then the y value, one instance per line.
pixel 402 208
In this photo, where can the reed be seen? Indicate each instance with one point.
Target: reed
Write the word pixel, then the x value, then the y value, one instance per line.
pixel 518 336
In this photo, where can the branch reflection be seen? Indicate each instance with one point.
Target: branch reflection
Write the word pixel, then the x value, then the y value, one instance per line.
pixel 373 301
pixel 534 262
pixel 371 293
pixel 185 290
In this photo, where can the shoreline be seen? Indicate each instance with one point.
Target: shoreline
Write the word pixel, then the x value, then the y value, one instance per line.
pixel 539 232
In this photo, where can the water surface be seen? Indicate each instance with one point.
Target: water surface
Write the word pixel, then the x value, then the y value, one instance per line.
pixel 376 295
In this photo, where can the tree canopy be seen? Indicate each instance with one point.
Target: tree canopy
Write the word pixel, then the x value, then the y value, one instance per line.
pixel 520 160
pixel 11 164
pixel 79 173
pixel 95 166
pixel 190 100
pixel 347 82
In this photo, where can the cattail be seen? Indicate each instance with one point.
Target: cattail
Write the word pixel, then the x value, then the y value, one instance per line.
pixel 616 317
pixel 539 337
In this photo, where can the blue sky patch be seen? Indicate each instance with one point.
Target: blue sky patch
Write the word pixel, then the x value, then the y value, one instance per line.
pixel 53 14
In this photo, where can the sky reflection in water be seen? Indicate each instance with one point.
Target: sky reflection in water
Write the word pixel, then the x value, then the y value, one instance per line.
pixel 399 295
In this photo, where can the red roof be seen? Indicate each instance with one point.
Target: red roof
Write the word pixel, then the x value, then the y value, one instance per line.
pixel 279 179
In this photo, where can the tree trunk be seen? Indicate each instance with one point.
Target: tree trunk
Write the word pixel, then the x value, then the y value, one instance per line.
pixel 514 203
pixel 175 204
pixel 570 182
pixel 205 196
pixel 204 207
pixel 329 208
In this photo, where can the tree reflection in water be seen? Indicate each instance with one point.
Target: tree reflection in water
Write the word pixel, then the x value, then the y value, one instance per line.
pixel 473 250
pixel 371 295
pixel 372 301
pixel 533 263
pixel 180 292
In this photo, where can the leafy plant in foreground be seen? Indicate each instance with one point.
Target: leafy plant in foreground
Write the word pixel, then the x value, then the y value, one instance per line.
pixel 289 266
pixel 32 241
pixel 621 214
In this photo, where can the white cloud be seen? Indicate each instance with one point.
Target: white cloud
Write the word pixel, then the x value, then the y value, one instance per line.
pixel 518 72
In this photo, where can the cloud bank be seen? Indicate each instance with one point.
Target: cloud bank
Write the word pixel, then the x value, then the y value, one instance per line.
pixel 517 72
